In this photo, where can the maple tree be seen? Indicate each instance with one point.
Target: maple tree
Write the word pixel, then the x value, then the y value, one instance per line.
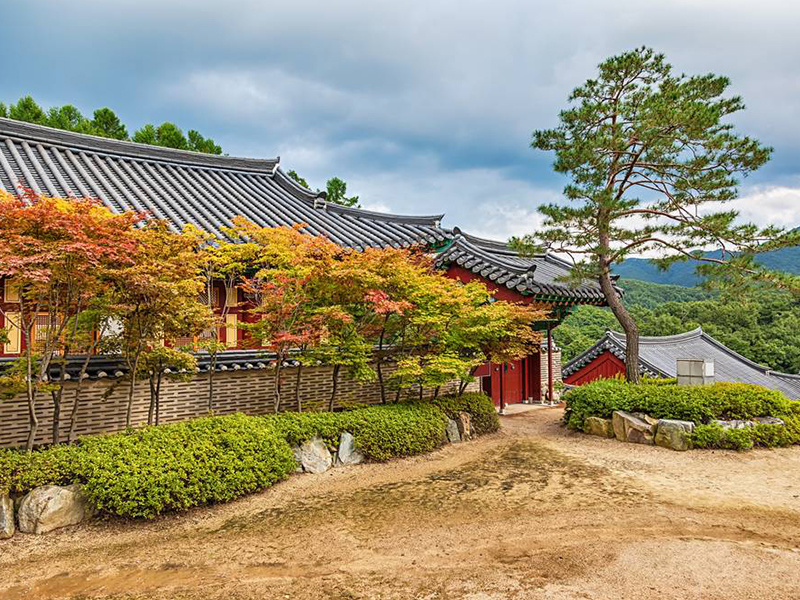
pixel 155 299
pixel 58 253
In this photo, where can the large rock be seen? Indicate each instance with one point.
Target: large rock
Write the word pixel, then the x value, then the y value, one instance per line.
pixel 598 426
pixel 769 421
pixel 464 422
pixel 348 453
pixel 674 434
pixel 315 456
pixel 50 507
pixel 453 435
pixel 6 517
pixel 630 428
pixel 734 424
pixel 298 459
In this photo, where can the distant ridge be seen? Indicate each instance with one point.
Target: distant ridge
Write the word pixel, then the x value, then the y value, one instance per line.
pixel 786 259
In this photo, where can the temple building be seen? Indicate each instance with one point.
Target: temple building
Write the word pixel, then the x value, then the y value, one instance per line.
pixel 658 358
pixel 207 191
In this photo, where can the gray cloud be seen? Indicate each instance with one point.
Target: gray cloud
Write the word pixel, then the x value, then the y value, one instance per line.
pixel 422 107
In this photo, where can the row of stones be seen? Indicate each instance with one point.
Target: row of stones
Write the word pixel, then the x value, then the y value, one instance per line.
pixel 639 428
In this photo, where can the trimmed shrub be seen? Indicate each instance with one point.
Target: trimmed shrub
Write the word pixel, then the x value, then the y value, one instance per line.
pixel 143 473
pixel 767 435
pixel 380 432
pixel 20 472
pixel 174 467
pixel 483 415
pixel 700 404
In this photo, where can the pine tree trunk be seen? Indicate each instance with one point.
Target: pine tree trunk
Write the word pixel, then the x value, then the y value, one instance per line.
pixel 626 321
pixel 335 387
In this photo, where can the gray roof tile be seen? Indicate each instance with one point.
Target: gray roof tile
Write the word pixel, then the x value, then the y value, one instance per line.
pixel 658 357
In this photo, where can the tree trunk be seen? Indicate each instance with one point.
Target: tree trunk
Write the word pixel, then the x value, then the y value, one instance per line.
pixel 131 389
pixel 211 370
pixel 152 410
pixel 436 391
pixel 297 399
pixel 57 396
pixel 626 321
pixel 335 387
pixel 421 389
pixel 158 398
pixel 278 369
pixel 462 385
pixel 30 388
pixel 379 362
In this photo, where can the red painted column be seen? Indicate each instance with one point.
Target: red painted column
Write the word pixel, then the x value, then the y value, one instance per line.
pixel 550 363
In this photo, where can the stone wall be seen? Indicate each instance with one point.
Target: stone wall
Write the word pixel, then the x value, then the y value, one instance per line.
pixel 103 402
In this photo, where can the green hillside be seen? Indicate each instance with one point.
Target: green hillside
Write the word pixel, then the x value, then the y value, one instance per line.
pixel 786 259
pixel 764 327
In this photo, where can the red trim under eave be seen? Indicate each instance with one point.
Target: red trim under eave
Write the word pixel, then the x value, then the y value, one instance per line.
pixel 501 292
pixel 604 366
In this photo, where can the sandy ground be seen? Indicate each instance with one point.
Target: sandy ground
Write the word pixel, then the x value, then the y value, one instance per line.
pixel 531 512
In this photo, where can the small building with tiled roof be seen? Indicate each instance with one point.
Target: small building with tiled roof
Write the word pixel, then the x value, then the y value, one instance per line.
pixel 207 191
pixel 658 357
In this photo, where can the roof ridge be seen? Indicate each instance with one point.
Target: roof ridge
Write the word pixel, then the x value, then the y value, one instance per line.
pixel 71 140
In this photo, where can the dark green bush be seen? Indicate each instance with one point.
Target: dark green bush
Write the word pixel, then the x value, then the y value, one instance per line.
pixel 149 471
pixel 700 404
pixel 380 432
pixel 173 467
pixel 767 435
pixel 20 472
pixel 483 415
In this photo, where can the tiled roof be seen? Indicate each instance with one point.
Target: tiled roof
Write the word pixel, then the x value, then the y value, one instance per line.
pixel 113 367
pixel 658 357
pixel 189 187
pixel 541 274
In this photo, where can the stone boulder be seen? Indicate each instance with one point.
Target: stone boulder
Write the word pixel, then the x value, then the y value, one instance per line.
pixel 315 456
pixel 464 422
pixel 769 421
pixel 598 426
pixel 674 434
pixel 6 517
pixel 51 507
pixel 630 428
pixel 298 459
pixel 348 454
pixel 734 424
pixel 453 435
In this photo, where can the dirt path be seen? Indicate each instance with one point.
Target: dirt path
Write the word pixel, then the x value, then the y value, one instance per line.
pixel 532 512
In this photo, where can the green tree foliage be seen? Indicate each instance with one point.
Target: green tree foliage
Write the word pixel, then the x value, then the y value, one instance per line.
pixel 335 190
pixel 106 123
pixel 337 193
pixel 650 159
pixel 763 326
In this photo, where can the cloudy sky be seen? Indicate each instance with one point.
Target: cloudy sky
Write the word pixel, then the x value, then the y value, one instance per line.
pixel 422 107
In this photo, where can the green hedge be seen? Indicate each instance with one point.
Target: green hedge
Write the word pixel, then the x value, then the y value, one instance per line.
pixel 481 408
pixel 145 472
pixel 767 435
pixel 700 404
pixel 380 432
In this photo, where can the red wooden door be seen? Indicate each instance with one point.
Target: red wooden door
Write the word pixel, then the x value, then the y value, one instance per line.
pixel 508 382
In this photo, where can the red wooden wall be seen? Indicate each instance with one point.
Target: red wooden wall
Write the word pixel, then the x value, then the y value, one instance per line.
pixel 604 366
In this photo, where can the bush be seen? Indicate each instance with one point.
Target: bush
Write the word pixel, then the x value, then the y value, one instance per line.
pixel 483 415
pixel 174 467
pixel 700 404
pixel 380 432
pixel 146 472
pixel 767 435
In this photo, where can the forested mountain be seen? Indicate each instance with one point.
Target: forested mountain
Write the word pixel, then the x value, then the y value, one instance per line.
pixel 786 259
pixel 764 327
